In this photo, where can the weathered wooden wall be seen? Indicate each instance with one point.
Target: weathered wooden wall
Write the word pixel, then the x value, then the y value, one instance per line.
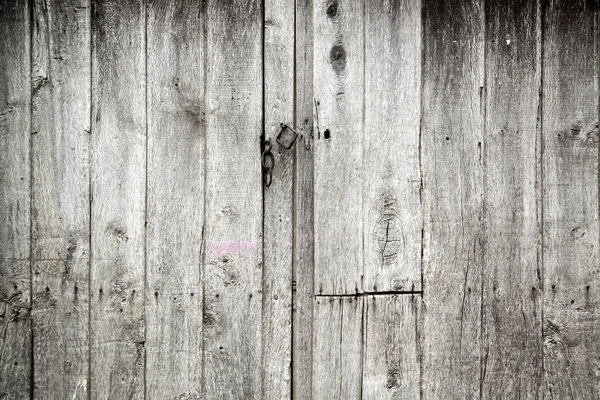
pixel 434 233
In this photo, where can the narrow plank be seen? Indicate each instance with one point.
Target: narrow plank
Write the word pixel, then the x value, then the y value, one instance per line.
pixel 303 267
pixel 15 128
pixel 392 183
pixel 118 179
pixel 452 142
pixel 338 330
pixel 570 200
pixel 233 262
pixel 391 347
pixel 176 131
pixel 278 201
pixel 338 149
pixel 61 73
pixel 511 324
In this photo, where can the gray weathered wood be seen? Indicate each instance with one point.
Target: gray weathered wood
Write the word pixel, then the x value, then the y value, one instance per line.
pixel 570 201
pixel 392 177
pixel 303 271
pixel 452 142
pixel 15 293
pixel 278 201
pixel 176 131
pixel 61 73
pixel 338 148
pixel 232 273
pixel 511 320
pixel 118 183
pixel 391 367
pixel 337 347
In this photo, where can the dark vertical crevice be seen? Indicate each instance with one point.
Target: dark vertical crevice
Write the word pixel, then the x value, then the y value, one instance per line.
pixel 202 261
pixel 293 210
pixel 483 164
pixel 419 337
pixel 90 194
pixel 363 340
pixel 30 29
pixel 540 188
pixel 145 289
pixel 364 115
pixel 262 235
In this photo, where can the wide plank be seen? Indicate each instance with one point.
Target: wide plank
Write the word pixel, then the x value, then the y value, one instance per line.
pixel 233 263
pixel 15 169
pixel 392 180
pixel 278 200
pixel 176 132
pixel 571 255
pixel 338 84
pixel 303 266
pixel 118 184
pixel 452 161
pixel 337 347
pixel 391 365
pixel 61 89
pixel 511 318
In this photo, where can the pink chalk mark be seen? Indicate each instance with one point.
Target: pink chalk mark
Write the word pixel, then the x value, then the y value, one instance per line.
pixel 233 247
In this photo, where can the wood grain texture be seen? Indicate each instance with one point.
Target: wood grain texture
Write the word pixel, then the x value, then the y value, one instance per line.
pixel 570 200
pixel 61 73
pixel 15 168
pixel 391 354
pixel 511 324
pixel 392 185
pixel 176 132
pixel 303 268
pixel 337 347
pixel 452 141
pixel 278 201
pixel 233 218
pixel 118 180
pixel 338 148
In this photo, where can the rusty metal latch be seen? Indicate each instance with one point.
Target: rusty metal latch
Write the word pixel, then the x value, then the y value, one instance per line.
pixel 286 138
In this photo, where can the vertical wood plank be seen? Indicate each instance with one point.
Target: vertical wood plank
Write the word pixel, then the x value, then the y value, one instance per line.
pixel 278 201
pixel 338 153
pixel 233 223
pixel 337 357
pixel 511 325
pixel 61 73
pixel 452 141
pixel 118 179
pixel 15 128
pixel 303 268
pixel 392 180
pixel 176 131
pixel 391 347
pixel 570 200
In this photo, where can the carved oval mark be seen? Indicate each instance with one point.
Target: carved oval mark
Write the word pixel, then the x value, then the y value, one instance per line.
pixel 388 233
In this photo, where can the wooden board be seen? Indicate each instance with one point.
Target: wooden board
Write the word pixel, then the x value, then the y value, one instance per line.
pixel 512 275
pixel 570 200
pixel 233 266
pixel 337 347
pixel 278 201
pixel 338 84
pixel 391 365
pixel 392 178
pixel 118 183
pixel 452 150
pixel 15 133
pixel 303 267
pixel 176 131
pixel 61 73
